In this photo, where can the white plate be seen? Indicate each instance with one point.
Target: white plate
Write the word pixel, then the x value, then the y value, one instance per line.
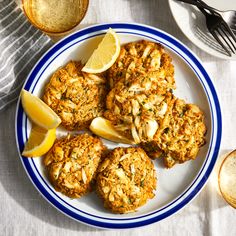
pixel 192 23
pixel 177 186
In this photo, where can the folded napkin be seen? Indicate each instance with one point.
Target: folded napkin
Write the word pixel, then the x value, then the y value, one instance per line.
pixel 21 45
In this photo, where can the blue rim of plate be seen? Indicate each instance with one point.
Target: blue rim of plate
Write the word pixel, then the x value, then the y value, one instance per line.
pixel 169 42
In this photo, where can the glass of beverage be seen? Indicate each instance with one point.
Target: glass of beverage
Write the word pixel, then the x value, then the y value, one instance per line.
pixel 227 178
pixel 55 17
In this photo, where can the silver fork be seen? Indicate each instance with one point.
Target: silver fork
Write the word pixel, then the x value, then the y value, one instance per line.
pixel 228 16
pixel 220 30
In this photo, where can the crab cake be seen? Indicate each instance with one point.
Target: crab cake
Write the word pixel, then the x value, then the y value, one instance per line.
pixel 137 109
pixel 126 179
pixel 77 97
pixel 143 58
pixel 72 164
pixel 181 136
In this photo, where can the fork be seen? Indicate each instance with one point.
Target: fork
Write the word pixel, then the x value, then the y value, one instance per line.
pixel 220 30
pixel 229 16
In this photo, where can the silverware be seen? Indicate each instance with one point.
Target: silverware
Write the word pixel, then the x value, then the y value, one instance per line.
pixel 228 16
pixel 220 31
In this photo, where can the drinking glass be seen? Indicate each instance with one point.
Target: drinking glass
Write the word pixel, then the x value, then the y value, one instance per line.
pixel 227 178
pixel 55 17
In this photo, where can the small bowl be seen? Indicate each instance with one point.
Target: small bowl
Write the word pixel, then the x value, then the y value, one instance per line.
pixel 227 179
pixel 28 12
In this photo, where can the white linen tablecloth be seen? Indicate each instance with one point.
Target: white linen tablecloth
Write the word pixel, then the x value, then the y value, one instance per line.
pixel 24 212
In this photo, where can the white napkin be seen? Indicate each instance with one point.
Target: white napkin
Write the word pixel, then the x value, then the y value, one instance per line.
pixel 21 45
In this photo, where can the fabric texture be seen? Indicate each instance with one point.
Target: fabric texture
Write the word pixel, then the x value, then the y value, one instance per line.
pixel 21 45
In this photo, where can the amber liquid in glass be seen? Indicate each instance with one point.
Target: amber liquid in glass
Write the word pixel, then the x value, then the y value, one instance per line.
pixel 227 179
pixel 55 16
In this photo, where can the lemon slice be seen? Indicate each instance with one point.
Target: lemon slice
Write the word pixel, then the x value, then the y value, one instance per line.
pixel 39 142
pixel 38 111
pixel 103 128
pixel 105 55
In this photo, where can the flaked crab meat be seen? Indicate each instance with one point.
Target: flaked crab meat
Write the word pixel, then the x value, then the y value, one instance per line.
pixel 72 164
pixel 151 127
pixel 135 135
pixel 92 78
pixel 137 114
pixel 140 58
pixel 180 136
pixel 163 110
pixel 127 181
pixel 135 107
pixel 76 97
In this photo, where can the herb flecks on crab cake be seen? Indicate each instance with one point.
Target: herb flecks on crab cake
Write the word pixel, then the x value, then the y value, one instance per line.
pixel 77 97
pixel 180 137
pixel 137 110
pixel 143 58
pixel 141 84
pixel 72 163
pixel 126 179
pixel 142 107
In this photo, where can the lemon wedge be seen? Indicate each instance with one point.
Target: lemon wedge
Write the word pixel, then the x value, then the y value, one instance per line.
pixel 38 111
pixel 105 55
pixel 103 128
pixel 39 142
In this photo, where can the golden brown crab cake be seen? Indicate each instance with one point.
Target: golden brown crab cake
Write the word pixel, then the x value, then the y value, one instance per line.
pixel 72 163
pixel 136 109
pixel 181 137
pixel 76 97
pixel 126 179
pixel 143 58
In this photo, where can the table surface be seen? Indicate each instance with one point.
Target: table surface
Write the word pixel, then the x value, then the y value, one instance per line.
pixel 24 212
